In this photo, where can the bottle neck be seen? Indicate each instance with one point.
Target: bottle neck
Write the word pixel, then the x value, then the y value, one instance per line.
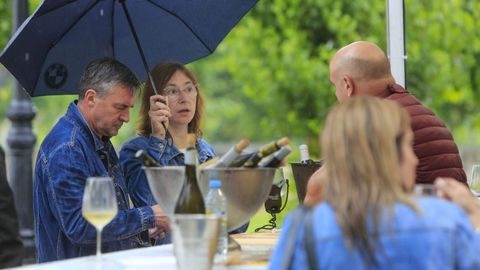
pixel 268 149
pixel 191 156
pixel 304 155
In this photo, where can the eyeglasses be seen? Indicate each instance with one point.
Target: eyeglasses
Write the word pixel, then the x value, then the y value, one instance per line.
pixel 174 93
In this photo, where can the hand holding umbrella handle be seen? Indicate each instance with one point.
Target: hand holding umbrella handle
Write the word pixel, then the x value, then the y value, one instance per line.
pixel 159 113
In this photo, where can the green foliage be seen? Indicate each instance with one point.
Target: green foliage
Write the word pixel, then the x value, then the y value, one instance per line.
pixel 5 22
pixel 273 67
pixel 443 56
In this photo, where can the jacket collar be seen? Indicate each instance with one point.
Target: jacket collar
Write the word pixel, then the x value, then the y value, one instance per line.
pixel 75 116
pixel 392 89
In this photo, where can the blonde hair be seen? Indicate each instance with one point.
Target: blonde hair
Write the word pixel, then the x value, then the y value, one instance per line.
pixel 361 145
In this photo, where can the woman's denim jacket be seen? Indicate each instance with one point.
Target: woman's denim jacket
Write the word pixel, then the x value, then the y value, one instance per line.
pixel 67 157
pixel 439 236
pixel 165 152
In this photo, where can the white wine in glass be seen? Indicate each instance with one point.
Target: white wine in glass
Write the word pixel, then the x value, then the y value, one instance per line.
pixel 474 182
pixel 99 205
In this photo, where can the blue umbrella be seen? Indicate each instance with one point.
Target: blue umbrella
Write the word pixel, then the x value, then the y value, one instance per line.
pixel 49 52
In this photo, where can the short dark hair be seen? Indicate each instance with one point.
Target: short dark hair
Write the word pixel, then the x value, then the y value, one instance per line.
pixel 103 74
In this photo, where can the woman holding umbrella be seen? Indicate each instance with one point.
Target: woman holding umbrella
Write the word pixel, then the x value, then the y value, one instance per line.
pixel 165 120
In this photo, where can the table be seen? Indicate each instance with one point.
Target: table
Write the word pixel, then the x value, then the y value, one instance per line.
pixel 253 257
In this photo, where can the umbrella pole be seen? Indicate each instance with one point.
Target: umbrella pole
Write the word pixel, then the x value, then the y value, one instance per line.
pixel 140 50
pixel 142 55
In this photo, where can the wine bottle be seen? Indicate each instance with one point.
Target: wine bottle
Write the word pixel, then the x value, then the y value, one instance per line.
pixel 304 155
pixel 229 157
pixel 264 151
pixel 241 158
pixel 190 200
pixel 207 163
pixel 146 159
pixel 275 160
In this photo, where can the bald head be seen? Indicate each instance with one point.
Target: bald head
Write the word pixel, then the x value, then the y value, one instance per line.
pixel 364 64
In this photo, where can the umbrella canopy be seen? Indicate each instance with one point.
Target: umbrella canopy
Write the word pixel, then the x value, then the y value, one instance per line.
pixel 49 52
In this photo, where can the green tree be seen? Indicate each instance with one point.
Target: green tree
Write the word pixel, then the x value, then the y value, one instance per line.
pixel 443 54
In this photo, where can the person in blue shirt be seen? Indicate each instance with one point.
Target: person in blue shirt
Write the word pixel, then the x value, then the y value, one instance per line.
pixel 368 217
pixel 79 147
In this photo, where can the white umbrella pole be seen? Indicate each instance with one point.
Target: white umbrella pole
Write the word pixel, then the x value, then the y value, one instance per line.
pixel 396 39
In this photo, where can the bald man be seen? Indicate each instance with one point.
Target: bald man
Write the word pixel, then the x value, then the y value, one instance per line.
pixel 361 68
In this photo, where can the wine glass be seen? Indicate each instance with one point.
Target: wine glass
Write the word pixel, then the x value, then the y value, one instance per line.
pixel 474 182
pixel 99 205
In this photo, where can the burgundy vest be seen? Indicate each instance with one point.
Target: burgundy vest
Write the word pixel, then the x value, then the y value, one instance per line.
pixel 433 143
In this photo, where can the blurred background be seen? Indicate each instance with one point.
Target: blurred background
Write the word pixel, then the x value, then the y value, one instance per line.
pixel 269 78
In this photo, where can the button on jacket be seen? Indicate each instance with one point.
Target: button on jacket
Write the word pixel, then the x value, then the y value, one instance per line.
pixel 438 237
pixel 70 154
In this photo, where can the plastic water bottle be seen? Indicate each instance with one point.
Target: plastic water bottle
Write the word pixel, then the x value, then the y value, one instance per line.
pixel 216 204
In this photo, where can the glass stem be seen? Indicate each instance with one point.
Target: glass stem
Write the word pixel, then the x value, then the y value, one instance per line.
pixel 99 243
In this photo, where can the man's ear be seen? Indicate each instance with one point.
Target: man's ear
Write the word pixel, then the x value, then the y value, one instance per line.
pixel 90 97
pixel 349 85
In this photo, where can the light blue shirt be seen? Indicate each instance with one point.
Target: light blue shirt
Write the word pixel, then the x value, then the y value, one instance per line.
pixel 439 237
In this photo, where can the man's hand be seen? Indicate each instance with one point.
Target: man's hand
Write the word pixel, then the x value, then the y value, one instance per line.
pixel 315 187
pixel 162 226
pixel 159 113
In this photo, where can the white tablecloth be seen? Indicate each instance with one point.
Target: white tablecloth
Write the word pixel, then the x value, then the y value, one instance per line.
pixel 159 257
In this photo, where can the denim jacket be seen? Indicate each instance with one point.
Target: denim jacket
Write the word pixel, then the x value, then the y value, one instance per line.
pixel 440 236
pixel 70 154
pixel 165 152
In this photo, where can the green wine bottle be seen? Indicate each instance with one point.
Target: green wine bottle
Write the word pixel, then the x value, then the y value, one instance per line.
pixel 190 200
pixel 265 151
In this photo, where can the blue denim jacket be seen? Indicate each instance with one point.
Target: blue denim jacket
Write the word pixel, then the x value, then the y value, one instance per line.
pixel 439 237
pixel 165 152
pixel 70 154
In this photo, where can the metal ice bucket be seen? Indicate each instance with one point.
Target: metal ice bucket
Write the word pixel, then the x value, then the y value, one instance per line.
pixel 245 189
pixel 301 173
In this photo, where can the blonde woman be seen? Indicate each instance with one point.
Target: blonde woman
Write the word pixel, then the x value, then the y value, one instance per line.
pixel 368 219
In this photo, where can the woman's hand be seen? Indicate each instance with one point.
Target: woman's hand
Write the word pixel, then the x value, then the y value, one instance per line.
pixel 460 194
pixel 159 114
pixel 315 187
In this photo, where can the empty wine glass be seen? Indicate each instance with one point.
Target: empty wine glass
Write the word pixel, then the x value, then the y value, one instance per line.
pixel 99 205
pixel 474 182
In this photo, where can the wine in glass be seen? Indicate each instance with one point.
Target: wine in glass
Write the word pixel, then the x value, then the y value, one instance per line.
pixel 474 182
pixel 99 205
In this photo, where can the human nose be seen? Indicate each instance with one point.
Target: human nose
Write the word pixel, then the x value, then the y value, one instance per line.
pixel 125 116
pixel 182 95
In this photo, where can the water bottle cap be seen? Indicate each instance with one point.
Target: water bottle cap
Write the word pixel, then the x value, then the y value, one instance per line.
pixel 215 183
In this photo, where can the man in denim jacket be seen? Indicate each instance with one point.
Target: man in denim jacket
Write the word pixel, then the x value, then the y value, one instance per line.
pixel 76 148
